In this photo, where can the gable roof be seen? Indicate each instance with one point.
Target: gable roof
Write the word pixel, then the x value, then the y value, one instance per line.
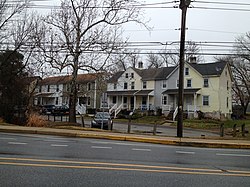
pixel 115 77
pixel 81 78
pixel 207 69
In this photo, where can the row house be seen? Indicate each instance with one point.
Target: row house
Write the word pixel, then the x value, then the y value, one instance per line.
pixel 207 88
pixel 55 90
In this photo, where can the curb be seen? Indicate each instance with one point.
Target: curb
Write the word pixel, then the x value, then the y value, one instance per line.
pixel 126 137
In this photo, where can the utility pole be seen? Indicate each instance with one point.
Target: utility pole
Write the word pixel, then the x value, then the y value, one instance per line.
pixel 183 6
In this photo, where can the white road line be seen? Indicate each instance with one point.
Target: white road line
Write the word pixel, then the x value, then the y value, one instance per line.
pixel 62 141
pixel 238 155
pixel 17 143
pixel 99 147
pixel 134 149
pixel 7 138
pixel 58 145
pixel 185 152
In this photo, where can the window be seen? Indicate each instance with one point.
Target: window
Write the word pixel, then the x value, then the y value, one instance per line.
pixel 126 75
pixel 205 100
pixel 57 100
pixel 164 84
pixel 115 86
pixel 40 88
pixel 227 85
pixel 227 102
pixel 132 75
pixel 205 83
pixel 177 83
pixel 57 88
pixel 89 86
pixel 186 71
pixel 164 100
pixel 132 85
pixel 125 86
pixel 189 83
pixel 48 88
pixel 144 84
pixel 88 99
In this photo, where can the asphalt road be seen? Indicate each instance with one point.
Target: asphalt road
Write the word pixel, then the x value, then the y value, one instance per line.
pixel 38 160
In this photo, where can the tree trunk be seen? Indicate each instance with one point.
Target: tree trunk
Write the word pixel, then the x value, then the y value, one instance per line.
pixel 73 93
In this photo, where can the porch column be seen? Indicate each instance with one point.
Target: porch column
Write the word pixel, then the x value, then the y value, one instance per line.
pixel 195 107
pixel 134 102
pixel 95 99
pixel 148 103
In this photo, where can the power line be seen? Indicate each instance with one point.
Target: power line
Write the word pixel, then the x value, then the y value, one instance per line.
pixel 222 3
pixel 226 9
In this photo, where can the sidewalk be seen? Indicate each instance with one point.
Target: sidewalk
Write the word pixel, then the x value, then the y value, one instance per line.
pixel 195 142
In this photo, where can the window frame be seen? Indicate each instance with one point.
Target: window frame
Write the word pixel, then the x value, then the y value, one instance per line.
pixel 132 85
pixel 186 71
pixel 125 85
pixel 164 84
pixel 204 83
pixel 144 85
pixel 189 83
pixel 205 100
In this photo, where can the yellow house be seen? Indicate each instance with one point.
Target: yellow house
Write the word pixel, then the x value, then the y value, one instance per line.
pixel 207 88
pixel 131 89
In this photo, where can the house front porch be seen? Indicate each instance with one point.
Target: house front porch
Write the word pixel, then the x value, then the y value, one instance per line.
pixel 190 105
pixel 130 100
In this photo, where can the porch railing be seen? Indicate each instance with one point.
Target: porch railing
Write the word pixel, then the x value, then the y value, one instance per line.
pixel 81 109
pixel 175 113
pixel 118 109
pixel 166 107
pixel 113 108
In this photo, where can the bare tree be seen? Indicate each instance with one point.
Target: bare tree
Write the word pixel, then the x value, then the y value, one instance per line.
pixel 154 60
pixel 240 65
pixel 10 10
pixel 82 34
pixel 171 57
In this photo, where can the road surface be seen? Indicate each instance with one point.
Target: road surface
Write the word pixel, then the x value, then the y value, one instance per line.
pixel 39 160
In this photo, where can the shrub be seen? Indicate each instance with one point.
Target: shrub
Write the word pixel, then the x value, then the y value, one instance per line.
pixel 35 120
pixel 1 120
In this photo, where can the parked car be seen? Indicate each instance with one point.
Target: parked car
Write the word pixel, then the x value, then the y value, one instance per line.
pixel 102 120
pixel 60 110
pixel 47 109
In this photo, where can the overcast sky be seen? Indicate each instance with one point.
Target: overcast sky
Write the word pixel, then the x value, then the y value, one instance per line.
pixel 226 20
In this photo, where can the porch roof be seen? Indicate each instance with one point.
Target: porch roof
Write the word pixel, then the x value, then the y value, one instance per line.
pixel 186 91
pixel 128 92
pixel 143 92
